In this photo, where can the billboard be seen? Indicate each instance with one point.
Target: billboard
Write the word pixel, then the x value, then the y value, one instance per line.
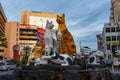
pixel 40 35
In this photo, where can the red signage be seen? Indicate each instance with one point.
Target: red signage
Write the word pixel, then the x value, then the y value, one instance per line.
pixel 41 32
pixel 16 49
pixel 28 26
pixel 40 35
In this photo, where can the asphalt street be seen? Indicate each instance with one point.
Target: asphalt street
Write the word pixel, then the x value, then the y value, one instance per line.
pixel 6 72
pixel 7 75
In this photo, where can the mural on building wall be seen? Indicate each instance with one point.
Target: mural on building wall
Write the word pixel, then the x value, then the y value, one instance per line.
pixel 41 21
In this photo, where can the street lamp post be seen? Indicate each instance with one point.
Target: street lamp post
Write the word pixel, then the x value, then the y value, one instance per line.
pixel 112 57
pixel 80 45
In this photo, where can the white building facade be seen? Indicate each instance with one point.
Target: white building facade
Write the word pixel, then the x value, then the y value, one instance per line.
pixel 111 37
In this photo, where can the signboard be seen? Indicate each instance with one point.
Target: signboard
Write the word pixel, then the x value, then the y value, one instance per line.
pixel 99 39
pixel 27 26
pixel 115 62
pixel 113 43
pixel 40 35
pixel 16 47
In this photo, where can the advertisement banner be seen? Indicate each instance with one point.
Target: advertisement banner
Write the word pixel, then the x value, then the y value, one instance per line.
pixel 40 35
pixel 99 40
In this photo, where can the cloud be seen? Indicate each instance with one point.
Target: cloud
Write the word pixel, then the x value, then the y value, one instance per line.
pixel 84 18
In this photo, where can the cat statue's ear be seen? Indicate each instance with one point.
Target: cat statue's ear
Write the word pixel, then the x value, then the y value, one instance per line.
pixel 57 15
pixel 47 21
pixel 63 15
pixel 51 22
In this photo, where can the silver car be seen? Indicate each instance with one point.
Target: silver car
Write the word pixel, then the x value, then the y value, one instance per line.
pixel 7 66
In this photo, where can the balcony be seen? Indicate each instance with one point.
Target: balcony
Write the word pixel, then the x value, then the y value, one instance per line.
pixel 29 37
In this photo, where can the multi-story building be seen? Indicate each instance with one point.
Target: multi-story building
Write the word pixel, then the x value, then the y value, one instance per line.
pixel 38 18
pixel 3 20
pixel 23 35
pixel 115 11
pixel 11 32
pixel 87 51
pixel 111 31
pixel 27 36
pixel 77 49
pixel 111 37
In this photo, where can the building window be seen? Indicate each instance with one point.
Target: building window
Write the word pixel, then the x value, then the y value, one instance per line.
pixel 107 29
pixel 17 29
pixel 118 38
pixel 1 50
pixel 114 49
pixel 17 34
pixel 113 29
pixel 113 38
pixel 118 29
pixel 108 38
pixel 16 39
pixel 109 24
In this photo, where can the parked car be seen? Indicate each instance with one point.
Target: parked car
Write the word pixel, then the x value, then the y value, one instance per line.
pixel 2 60
pixel 7 66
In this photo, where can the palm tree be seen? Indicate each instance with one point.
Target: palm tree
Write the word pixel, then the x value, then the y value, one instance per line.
pixel 26 54
pixel 27 49
pixel 3 40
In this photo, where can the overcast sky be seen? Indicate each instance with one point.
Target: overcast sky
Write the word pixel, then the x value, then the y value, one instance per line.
pixel 84 18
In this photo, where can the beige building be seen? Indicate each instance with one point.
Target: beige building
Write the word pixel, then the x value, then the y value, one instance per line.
pixel 27 36
pixel 19 34
pixel 38 18
pixel 3 20
pixel 11 32
pixel 115 11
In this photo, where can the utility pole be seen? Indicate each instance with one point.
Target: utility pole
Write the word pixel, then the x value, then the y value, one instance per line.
pixel 80 45
pixel 112 57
